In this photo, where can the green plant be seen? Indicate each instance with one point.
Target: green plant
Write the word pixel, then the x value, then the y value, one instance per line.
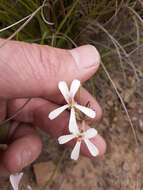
pixel 114 27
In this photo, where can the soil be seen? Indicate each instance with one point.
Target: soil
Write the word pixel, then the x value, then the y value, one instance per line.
pixel 121 168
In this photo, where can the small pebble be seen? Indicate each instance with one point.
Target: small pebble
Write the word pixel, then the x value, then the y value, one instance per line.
pixel 140 111
pixel 115 119
pixel 125 166
pixel 134 118
pixel 110 103
pixel 132 105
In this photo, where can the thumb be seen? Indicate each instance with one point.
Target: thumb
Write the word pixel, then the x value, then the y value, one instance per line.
pixel 31 70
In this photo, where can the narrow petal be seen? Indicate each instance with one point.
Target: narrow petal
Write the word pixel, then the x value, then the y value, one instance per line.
pixel 74 88
pixel 76 150
pixel 73 128
pixel 90 133
pixel 15 180
pixel 64 90
pixel 87 111
pixel 91 147
pixel 65 138
pixel 55 113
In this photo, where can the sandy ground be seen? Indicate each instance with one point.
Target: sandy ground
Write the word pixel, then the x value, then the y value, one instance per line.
pixel 122 165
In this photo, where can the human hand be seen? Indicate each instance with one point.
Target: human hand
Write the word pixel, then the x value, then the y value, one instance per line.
pixel 34 71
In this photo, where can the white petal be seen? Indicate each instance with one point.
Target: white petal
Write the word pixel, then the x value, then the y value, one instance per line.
pixel 73 128
pixel 15 180
pixel 55 113
pixel 65 138
pixel 64 90
pixel 87 111
pixel 74 88
pixel 91 147
pixel 90 133
pixel 76 150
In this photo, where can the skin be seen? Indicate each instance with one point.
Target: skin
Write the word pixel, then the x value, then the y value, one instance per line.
pixel 30 70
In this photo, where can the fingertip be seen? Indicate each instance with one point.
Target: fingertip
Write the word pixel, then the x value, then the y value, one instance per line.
pixel 84 98
pixel 100 144
pixel 22 152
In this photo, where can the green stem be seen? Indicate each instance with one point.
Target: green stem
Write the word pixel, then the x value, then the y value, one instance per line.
pixel 67 16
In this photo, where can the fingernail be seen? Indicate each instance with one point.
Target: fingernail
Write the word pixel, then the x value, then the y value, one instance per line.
pixel 86 56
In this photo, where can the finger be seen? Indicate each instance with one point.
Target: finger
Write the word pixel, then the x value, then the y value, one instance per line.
pixel 85 98
pixel 26 115
pixel 23 150
pixel 56 127
pixel 42 67
pixel 38 109
pixel 98 141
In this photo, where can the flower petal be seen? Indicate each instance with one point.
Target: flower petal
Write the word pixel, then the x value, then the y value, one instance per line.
pixel 91 147
pixel 74 88
pixel 64 90
pixel 65 138
pixel 73 128
pixel 15 180
pixel 90 133
pixel 55 113
pixel 87 111
pixel 76 150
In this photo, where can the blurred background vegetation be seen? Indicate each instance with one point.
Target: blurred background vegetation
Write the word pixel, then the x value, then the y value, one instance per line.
pixel 102 23
pixel 115 27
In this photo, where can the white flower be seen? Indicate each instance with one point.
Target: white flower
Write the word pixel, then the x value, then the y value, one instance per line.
pixel 15 180
pixel 80 137
pixel 69 95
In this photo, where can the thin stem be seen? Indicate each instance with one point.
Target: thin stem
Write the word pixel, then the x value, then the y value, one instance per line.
pixel 14 24
pixel 121 100
pixel 16 113
pixel 22 26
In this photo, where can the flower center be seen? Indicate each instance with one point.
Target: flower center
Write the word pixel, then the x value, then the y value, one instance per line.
pixel 71 102
pixel 80 137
